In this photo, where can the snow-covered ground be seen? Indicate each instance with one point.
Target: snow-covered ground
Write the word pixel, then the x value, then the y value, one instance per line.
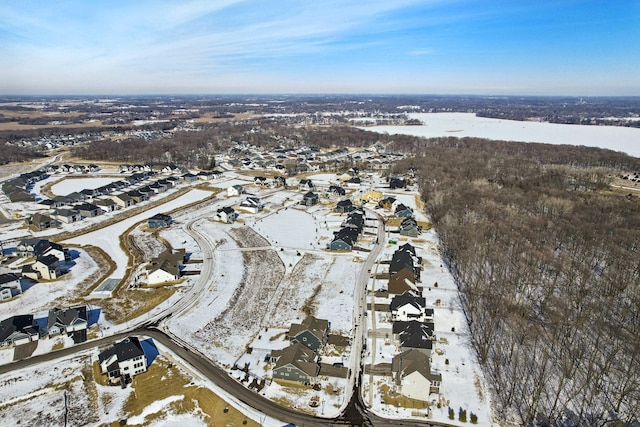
pixel 615 138
pixel 35 396
pixel 272 269
pixel 70 185
pixel 463 385
pixel 268 268
pixel 108 238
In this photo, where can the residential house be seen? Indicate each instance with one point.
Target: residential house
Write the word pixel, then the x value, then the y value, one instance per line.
pixel 251 204
pixel 260 180
pixel 76 197
pixel 166 267
pixel 353 182
pixel 47 268
pixel 206 175
pixel 45 248
pixel 412 375
pixel 17 330
pixel 387 202
pixel 88 210
pixel 344 206
pixel 235 190
pixel 168 183
pixel 157 187
pixel 62 200
pixel 310 198
pixel 47 204
pixel 159 220
pixel 147 191
pixel 40 222
pixel 107 205
pixel 408 307
pixel 26 248
pixel 311 332
pixel 67 216
pixel 124 200
pixel 189 177
pixel 344 239
pixel 226 214
pixel 404 271
pixel 414 335
pixel 134 196
pixel 371 196
pixel 9 286
pixel 306 184
pixel 403 211
pixel 16 194
pixel 90 193
pixel 123 361
pixel 336 189
pixel 355 220
pixel 296 363
pixel 397 183
pixel 279 181
pixel 71 321
pixel 409 227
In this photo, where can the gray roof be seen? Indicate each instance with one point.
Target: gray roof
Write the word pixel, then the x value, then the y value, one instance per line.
pixel 407 298
pixel 126 349
pixel 66 316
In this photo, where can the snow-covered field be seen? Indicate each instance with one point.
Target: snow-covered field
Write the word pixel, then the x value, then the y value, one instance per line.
pixel 69 185
pixel 270 269
pixel 467 124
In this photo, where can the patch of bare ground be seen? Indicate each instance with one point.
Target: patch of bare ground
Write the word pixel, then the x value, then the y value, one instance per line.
pixel 309 306
pixel 390 397
pixel 163 380
pixel 147 245
pixel 130 303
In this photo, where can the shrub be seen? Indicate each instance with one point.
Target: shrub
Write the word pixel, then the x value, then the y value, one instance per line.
pixel 474 418
pixel 452 414
pixel 462 415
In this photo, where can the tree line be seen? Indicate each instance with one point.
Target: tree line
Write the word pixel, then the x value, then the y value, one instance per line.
pixel 546 260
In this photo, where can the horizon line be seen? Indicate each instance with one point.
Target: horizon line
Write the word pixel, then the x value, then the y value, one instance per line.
pixel 308 94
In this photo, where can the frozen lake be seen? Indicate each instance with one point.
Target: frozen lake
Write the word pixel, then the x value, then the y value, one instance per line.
pixel 461 125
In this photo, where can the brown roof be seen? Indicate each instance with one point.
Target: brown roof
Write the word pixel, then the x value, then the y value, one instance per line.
pixel 317 327
pixel 299 356
pixel 411 361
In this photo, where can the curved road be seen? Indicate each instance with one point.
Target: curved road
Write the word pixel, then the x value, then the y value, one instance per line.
pixel 355 412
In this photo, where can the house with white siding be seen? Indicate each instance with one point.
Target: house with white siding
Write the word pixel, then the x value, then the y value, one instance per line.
pixel 123 361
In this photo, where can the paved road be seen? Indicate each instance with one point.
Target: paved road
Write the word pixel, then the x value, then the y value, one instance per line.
pixel 355 412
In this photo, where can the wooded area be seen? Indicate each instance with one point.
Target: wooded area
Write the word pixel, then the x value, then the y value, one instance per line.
pixel 545 256
pixel 194 149
pixel 15 154
pixel 548 267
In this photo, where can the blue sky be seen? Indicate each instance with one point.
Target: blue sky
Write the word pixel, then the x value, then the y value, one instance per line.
pixel 517 47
